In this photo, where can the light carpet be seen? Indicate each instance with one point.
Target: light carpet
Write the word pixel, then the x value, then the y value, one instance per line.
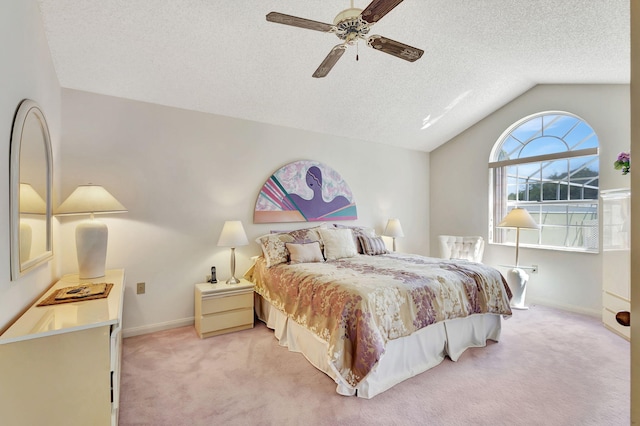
pixel 550 368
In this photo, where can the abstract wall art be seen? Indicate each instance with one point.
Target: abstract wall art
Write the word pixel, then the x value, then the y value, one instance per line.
pixel 304 191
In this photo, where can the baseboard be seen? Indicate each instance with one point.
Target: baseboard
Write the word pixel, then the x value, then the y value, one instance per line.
pixel 152 328
pixel 569 308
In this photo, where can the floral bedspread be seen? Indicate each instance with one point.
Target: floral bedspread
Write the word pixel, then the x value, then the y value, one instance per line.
pixel 358 304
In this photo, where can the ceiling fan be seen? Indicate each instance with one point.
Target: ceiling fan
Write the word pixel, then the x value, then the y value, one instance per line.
pixel 351 25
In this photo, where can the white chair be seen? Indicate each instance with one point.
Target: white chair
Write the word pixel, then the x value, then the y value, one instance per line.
pixel 455 247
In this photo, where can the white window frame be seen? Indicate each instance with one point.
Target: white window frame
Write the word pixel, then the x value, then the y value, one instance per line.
pixel 500 203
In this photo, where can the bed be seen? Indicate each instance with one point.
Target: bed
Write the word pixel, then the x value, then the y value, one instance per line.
pixel 368 318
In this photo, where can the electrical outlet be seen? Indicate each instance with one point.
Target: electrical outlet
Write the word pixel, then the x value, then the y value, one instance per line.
pixel 208 278
pixel 140 288
pixel 534 269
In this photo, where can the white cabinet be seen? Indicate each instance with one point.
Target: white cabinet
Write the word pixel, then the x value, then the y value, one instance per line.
pixel 616 280
pixel 60 364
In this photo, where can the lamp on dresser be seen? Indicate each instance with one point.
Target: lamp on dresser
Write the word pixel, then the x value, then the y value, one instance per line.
pixel 233 236
pixel 31 203
pixel 393 230
pixel 516 277
pixel 91 234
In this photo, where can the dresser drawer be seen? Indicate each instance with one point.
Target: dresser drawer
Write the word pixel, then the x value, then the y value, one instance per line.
pixel 615 304
pixel 214 305
pixel 611 305
pixel 609 320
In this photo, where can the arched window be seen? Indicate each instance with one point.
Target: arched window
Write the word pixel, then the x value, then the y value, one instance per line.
pixel 548 164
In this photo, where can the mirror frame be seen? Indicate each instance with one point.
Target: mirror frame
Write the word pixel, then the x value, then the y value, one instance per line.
pixel 26 108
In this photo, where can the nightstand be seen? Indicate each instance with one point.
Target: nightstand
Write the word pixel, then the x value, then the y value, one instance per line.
pixel 223 308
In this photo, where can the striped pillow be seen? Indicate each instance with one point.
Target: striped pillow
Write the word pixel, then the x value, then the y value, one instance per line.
pixel 372 245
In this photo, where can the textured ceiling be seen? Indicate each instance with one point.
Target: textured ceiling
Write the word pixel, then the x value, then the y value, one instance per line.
pixel 223 57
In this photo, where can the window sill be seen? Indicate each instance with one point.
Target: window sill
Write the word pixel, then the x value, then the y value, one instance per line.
pixel 550 248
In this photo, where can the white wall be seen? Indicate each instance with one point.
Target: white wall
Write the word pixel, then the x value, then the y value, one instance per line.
pixel 181 174
pixel 26 72
pixel 460 187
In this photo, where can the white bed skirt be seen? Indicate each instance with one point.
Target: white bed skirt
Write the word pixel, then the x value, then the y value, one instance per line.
pixel 403 358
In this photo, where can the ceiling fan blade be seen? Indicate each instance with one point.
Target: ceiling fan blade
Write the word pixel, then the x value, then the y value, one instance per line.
pixel 294 21
pixel 330 61
pixel 377 9
pixel 395 48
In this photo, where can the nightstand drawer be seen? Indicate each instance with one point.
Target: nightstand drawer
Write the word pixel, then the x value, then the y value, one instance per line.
pixel 227 321
pixel 228 303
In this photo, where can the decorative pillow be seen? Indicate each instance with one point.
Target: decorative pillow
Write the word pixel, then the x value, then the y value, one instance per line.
pixel 373 245
pixel 304 253
pixel 338 243
pixel 273 249
pixel 273 245
pixel 358 231
pixel 307 235
pixel 304 234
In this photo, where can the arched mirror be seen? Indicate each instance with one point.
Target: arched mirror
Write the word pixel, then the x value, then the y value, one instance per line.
pixel 30 180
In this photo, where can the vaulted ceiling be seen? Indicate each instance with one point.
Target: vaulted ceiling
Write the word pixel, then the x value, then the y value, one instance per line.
pixel 223 57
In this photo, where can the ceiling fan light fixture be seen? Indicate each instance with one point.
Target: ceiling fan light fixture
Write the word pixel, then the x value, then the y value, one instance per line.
pixel 350 26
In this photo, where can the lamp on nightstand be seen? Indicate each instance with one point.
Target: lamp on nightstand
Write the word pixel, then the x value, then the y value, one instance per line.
pixel 393 230
pixel 91 234
pixel 517 277
pixel 233 236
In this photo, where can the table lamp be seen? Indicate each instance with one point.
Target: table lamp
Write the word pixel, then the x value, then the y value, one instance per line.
pixel 31 203
pixel 518 218
pixel 233 236
pixel 91 234
pixel 517 277
pixel 393 230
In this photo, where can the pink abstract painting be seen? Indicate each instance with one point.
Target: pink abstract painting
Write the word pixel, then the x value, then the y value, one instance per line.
pixel 304 191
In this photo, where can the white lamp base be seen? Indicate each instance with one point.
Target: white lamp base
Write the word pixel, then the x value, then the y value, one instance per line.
pixel 91 245
pixel 25 241
pixel 517 279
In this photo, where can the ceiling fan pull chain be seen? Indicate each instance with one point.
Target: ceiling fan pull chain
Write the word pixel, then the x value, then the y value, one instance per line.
pixel 357 47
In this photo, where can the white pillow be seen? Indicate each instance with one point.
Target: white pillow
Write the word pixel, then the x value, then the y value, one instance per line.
pixel 338 243
pixel 305 253
pixel 358 231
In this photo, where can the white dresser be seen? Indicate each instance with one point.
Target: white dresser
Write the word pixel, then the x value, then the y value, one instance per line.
pixel 616 279
pixel 60 364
